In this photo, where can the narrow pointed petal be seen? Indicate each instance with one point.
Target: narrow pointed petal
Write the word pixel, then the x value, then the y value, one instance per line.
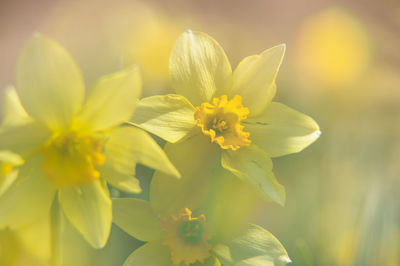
pixel 281 130
pixel 254 79
pixel 24 139
pixel 255 246
pixel 253 165
pixel 136 217
pixel 88 208
pixel 129 145
pixel 150 254
pixel 28 198
pixel 199 68
pixel 49 83
pixel 111 101
pixel 14 114
pixel 171 117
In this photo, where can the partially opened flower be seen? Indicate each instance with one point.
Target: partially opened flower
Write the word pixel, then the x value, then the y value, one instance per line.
pixel 72 146
pixel 234 112
pixel 188 237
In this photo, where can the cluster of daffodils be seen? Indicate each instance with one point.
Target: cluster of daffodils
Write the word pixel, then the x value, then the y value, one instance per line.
pixel 62 150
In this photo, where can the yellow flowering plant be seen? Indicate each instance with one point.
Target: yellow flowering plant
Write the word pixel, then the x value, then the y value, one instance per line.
pixel 231 115
pixel 71 147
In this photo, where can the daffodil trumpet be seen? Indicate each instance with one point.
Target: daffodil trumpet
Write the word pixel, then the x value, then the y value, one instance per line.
pixel 230 113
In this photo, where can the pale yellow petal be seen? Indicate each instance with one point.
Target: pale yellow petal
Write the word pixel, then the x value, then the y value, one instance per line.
pixel 88 208
pixel 128 145
pixel 281 130
pixel 199 68
pixel 29 197
pixel 171 117
pixel 111 101
pixel 150 254
pixel 121 181
pixel 253 165
pixel 49 83
pixel 136 217
pixel 254 79
pixel 13 112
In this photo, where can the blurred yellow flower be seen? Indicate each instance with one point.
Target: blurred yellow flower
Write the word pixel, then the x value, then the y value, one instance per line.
pixel 234 110
pixel 72 146
pixel 333 48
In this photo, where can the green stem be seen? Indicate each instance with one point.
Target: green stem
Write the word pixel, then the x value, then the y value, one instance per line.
pixel 57 228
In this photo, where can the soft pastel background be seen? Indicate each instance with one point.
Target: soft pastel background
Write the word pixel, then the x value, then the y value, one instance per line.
pixel 342 67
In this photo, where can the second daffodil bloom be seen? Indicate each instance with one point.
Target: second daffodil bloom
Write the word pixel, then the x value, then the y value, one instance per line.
pixel 72 146
pixel 232 110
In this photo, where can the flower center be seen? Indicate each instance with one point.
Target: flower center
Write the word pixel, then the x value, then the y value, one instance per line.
pixel 186 237
pixel 221 119
pixel 71 159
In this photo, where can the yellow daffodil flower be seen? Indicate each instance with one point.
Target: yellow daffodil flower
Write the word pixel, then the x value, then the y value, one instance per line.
pixel 189 237
pixel 219 113
pixel 72 146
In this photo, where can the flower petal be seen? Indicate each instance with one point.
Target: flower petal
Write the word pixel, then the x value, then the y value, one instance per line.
pixel 88 207
pixel 14 114
pixel 150 254
pixel 253 165
pixel 254 247
pixel 136 217
pixel 49 82
pixel 171 117
pixel 254 78
pixel 281 130
pixel 121 181
pixel 111 101
pixel 127 145
pixel 199 68
pixel 211 261
pixel 24 139
pixel 29 198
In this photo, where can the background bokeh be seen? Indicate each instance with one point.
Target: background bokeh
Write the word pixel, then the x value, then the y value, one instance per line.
pixel 342 67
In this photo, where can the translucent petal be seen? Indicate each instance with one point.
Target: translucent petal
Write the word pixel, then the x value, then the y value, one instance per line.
pixel 121 181
pixel 150 254
pixel 281 130
pixel 49 83
pixel 253 165
pixel 88 207
pixel 171 117
pixel 136 217
pixel 254 79
pixel 14 114
pixel 199 68
pixel 111 101
pixel 129 145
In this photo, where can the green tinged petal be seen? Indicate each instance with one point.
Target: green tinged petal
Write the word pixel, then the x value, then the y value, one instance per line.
pixel 254 247
pixel 13 112
pixel 254 79
pixel 136 217
pixel 121 181
pixel 88 208
pixel 171 117
pixel 24 139
pixel 28 198
pixel 127 145
pixel 211 261
pixel 111 101
pixel 281 130
pixel 253 165
pixel 49 83
pixel 150 254
pixel 199 68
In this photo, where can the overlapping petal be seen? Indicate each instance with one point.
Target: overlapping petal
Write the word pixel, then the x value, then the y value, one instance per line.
pixel 199 68
pixel 88 208
pixel 281 130
pixel 111 101
pixel 171 117
pixel 136 217
pixel 254 79
pixel 150 254
pixel 49 82
pixel 121 181
pixel 14 114
pixel 9 163
pixel 253 165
